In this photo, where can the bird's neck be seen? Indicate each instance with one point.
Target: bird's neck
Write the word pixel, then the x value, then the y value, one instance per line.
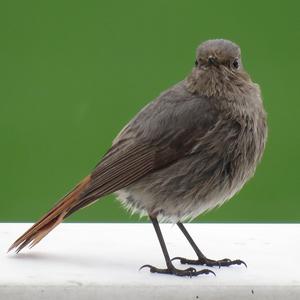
pixel 220 84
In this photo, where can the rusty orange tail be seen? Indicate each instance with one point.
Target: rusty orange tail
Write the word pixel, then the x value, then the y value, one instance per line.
pixel 49 221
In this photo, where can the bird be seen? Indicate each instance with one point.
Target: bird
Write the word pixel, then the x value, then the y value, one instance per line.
pixel 186 152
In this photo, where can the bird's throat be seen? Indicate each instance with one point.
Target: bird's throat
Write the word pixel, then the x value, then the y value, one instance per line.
pixel 215 83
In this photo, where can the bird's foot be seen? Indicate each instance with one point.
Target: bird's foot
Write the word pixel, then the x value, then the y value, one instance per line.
pixel 203 261
pixel 191 272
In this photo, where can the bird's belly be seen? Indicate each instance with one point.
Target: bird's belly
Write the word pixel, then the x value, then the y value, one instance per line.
pixel 185 189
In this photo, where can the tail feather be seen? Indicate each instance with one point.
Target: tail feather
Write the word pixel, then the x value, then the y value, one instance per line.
pixel 49 221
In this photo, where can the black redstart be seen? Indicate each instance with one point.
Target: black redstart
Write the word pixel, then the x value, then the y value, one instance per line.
pixel 186 152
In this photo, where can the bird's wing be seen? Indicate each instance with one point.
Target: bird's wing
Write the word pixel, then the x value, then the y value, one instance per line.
pixel 121 166
pixel 161 134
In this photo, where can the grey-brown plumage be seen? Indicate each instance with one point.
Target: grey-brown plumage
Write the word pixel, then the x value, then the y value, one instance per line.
pixel 211 127
pixel 186 152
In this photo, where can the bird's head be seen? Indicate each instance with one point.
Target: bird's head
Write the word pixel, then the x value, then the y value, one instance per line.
pixel 218 68
pixel 217 55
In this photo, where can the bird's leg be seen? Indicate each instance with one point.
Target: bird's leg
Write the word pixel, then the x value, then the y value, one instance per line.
pixel 202 259
pixel 170 267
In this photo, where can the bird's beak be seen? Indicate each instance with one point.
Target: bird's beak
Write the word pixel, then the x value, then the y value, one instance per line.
pixel 213 61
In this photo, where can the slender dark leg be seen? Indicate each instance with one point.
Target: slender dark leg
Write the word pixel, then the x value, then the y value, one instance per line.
pixel 202 259
pixel 170 267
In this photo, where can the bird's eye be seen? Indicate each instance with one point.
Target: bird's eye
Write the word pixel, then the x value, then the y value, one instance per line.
pixel 196 63
pixel 235 64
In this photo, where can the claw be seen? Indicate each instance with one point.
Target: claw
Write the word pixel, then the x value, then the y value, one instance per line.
pixel 145 266
pixel 209 271
pixel 240 262
pixel 174 258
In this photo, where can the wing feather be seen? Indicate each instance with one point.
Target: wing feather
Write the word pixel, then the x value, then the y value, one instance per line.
pixel 117 171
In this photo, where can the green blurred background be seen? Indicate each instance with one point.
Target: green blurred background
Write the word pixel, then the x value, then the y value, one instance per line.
pixel 74 72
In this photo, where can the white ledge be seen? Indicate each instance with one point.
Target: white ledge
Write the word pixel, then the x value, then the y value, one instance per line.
pixel 101 261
